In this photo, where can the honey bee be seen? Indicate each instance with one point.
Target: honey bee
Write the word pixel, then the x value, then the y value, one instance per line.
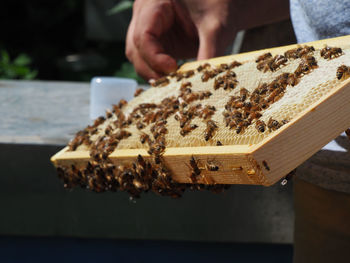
pixel 144 138
pixel 204 66
pixel 209 131
pixel 187 129
pixel 218 83
pixel 282 79
pixel 234 64
pixel 247 105
pixel 299 52
pixel 278 61
pixel 193 111
pixel 284 122
pixel 232 124
pixel 264 65
pixel 310 61
pixel 292 53
pixel 239 128
pixel 172 74
pixel 204 95
pixel 305 50
pixel 162 130
pixel 122 103
pixel 266 165
pixel 212 166
pixel 108 114
pixel 207 112
pixel 161 82
pixel 147 106
pixel 138 92
pixel 108 130
pixel 255 107
pixel 241 125
pixel 194 166
pixel 273 124
pixel 140 125
pixel 263 104
pixel 230 75
pixel 205 76
pixel 230 84
pixel 263 57
pixel 185 85
pixel 243 93
pixel 191 97
pixel 224 67
pixel 182 118
pixel 218 143
pixel 238 105
pixel 99 121
pixel 302 69
pixel 261 89
pixel 188 73
pixel 237 114
pixel 331 52
pixel 275 95
pixel 292 80
pixel 343 72
pixel 227 120
pixel 254 115
pixel 156 149
pixel 179 76
pixel 260 126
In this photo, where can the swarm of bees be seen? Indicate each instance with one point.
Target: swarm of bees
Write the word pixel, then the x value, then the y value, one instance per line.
pixel 243 109
pixel 266 62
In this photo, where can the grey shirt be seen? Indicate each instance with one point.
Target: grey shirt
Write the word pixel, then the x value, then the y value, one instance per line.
pixel 313 20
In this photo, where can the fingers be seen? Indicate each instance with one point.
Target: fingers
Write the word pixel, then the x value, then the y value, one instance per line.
pixel 133 55
pixel 209 45
pixel 143 46
pixel 154 55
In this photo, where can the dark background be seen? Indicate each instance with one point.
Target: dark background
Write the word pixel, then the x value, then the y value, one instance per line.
pixel 77 39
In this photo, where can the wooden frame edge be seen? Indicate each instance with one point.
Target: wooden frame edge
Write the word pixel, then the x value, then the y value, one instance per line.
pixel 288 141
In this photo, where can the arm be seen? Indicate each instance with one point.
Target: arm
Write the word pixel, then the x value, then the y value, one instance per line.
pixel 162 31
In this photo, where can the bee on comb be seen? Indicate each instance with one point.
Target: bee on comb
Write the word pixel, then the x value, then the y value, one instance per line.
pixel 331 52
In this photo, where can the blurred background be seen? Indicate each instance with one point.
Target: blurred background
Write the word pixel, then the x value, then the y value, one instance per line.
pixel 64 40
pixel 46 43
pixel 78 39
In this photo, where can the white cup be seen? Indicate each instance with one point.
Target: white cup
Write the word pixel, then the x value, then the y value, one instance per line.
pixel 106 91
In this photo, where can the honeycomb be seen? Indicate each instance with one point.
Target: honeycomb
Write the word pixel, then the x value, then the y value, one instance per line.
pixel 235 103
pixel 311 87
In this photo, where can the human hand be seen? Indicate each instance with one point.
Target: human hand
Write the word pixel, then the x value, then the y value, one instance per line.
pixel 162 31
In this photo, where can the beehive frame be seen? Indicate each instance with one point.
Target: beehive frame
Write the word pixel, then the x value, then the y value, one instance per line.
pixel 263 163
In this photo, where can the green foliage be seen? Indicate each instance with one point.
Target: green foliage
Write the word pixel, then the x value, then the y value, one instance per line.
pixel 127 71
pixel 120 7
pixel 17 69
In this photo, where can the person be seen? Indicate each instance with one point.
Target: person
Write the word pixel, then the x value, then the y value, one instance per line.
pixel 162 31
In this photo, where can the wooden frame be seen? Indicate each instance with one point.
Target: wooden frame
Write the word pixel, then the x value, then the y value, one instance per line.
pixel 264 163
